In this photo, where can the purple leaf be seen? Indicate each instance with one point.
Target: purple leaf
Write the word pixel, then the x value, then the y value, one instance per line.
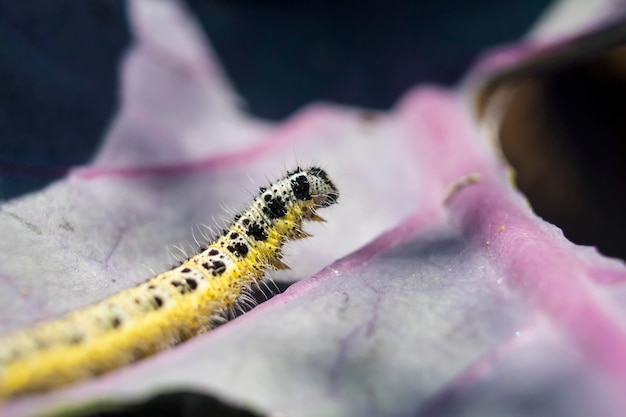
pixel 441 292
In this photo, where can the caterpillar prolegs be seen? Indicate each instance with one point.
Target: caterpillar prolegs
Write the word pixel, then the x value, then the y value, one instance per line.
pixel 174 305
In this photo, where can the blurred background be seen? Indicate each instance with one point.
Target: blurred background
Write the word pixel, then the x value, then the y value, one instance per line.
pixel 59 63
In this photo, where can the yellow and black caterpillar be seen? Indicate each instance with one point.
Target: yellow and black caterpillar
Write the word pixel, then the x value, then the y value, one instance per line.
pixel 173 306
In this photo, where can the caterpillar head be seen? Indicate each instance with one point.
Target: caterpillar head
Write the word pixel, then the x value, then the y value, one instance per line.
pixel 313 186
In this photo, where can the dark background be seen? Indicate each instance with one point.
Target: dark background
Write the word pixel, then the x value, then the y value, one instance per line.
pixel 59 62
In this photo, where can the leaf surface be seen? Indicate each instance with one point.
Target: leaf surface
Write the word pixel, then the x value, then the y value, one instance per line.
pixel 441 292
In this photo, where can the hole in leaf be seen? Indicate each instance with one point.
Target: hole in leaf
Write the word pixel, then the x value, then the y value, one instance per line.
pixel 175 404
pixel 560 119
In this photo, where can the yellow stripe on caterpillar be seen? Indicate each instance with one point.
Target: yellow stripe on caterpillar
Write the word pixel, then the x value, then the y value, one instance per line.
pixel 173 306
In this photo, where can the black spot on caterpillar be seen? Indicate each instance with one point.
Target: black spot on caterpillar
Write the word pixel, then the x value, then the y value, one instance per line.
pixel 173 306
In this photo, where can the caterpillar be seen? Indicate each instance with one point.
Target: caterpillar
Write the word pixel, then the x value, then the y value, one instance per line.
pixel 172 306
